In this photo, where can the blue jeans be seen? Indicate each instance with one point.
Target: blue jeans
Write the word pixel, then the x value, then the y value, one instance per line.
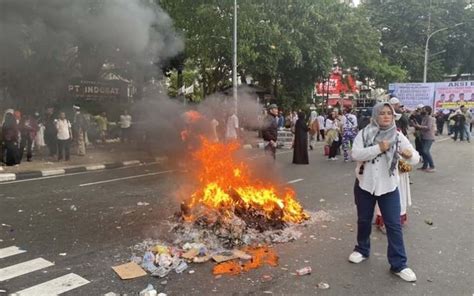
pixel 467 133
pixel 426 153
pixel 389 204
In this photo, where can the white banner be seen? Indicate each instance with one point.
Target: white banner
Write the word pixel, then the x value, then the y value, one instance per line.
pixel 413 94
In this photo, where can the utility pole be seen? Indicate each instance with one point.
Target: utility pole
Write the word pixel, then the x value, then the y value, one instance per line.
pixel 234 59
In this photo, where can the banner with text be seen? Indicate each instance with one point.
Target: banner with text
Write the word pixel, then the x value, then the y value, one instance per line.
pixel 413 94
pixel 452 95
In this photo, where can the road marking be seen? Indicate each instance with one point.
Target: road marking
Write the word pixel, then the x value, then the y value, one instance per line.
pixel 95 167
pixel 56 286
pixel 73 174
pixel 126 178
pixel 295 181
pixel 23 268
pixel 10 251
pixel 53 172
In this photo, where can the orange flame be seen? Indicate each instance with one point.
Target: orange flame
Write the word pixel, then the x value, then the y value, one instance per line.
pixel 225 183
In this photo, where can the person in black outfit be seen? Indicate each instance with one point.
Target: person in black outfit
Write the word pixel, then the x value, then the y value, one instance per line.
pixel 460 121
pixel 10 140
pixel 270 131
pixel 50 132
pixel 300 147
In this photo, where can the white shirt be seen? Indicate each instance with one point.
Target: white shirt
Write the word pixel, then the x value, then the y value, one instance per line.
pixel 63 127
pixel 125 121
pixel 321 122
pixel 331 124
pixel 232 126
pixel 349 121
pixel 376 178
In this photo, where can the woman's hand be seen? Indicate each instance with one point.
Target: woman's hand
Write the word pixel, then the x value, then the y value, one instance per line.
pixel 384 145
pixel 406 154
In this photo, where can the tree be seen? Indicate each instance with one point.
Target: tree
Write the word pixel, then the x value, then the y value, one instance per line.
pixel 404 26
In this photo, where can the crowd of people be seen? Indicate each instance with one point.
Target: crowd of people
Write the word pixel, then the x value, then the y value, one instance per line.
pixel 54 132
pixel 380 145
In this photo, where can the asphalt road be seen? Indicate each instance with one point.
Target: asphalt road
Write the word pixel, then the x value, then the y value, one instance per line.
pixel 86 223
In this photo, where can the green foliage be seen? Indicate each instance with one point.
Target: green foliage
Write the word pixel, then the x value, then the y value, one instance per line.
pixel 403 25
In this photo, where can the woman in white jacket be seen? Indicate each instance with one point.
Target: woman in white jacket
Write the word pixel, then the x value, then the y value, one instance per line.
pixel 377 149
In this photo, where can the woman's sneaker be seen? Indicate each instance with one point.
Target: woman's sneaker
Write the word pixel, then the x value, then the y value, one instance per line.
pixel 407 274
pixel 356 257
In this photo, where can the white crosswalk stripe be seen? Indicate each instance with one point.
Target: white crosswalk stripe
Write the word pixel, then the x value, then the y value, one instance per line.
pixel 56 286
pixel 10 251
pixel 23 268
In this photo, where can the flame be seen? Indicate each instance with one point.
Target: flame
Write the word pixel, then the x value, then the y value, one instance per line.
pixel 226 183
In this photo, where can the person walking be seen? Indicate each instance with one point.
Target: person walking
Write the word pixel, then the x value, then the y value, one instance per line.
pixel 313 129
pixel 333 137
pixel 321 134
pixel 300 146
pixel 125 126
pixel 270 131
pixel 232 126
pixel 10 137
pixel 102 123
pixel 64 136
pixel 28 130
pixel 468 119
pixel 427 128
pixel 377 150
pixel 80 127
pixel 349 131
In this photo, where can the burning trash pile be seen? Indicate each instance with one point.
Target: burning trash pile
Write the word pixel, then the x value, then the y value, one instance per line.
pixel 231 217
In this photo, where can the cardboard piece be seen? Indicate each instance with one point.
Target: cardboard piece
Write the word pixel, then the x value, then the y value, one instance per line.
pixel 190 254
pixel 129 270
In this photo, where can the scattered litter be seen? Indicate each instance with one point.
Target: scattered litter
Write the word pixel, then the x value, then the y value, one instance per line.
pixel 267 278
pixel 148 291
pixel 191 271
pixel 429 280
pixel 141 203
pixel 162 294
pixel 163 283
pixel 267 292
pixel 129 270
pixel 323 285
pixel 322 200
pixel 20 211
pixel 62 254
pixel 429 221
pixel 73 208
pixel 304 271
pixel 67 198
pixel 333 238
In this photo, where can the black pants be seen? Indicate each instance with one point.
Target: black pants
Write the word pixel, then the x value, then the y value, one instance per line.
pixel 52 144
pixel 270 150
pixel 64 146
pixel 10 151
pixel 333 149
pixel 321 134
pixel 458 130
pixel 26 143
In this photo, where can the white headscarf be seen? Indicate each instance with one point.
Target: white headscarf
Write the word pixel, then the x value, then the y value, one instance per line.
pixel 372 134
pixel 313 116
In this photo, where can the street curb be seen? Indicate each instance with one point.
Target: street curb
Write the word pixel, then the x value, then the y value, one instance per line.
pixel 254 146
pixel 4 177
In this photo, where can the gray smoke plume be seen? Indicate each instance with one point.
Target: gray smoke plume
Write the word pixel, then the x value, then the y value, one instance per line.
pixel 45 42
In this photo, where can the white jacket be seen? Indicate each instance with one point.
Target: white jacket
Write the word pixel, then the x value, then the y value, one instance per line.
pixel 376 178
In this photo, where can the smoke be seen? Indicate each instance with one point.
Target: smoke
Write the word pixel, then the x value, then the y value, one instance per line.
pixel 44 42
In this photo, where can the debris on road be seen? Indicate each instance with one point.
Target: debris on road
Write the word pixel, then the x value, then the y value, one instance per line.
pixel 148 291
pixel 141 203
pixel 129 270
pixel 323 286
pixel 429 221
pixel 304 271
pixel 73 208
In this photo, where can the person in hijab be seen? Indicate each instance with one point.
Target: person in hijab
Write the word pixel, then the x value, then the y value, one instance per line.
pixel 300 147
pixel 377 150
pixel 333 134
pixel 313 129
pixel 10 137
